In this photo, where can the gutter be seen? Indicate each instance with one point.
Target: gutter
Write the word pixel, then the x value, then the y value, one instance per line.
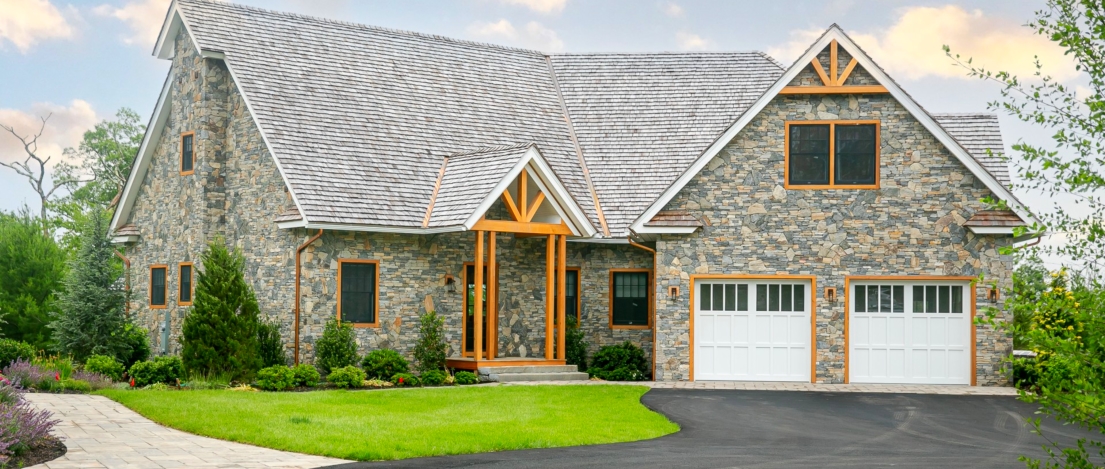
pixel 299 251
pixel 654 300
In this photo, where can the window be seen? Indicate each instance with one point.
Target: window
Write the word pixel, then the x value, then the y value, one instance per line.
pixel 830 154
pixel 187 153
pixel 358 292
pixel 629 298
pixel 158 292
pixel 571 293
pixel 184 295
pixel 922 299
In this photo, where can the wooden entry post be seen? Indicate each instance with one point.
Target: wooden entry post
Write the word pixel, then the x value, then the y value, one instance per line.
pixel 550 259
pixel 492 298
pixel 477 305
pixel 561 298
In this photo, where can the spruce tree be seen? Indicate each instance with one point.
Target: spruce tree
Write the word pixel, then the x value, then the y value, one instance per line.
pixel 220 334
pixel 90 317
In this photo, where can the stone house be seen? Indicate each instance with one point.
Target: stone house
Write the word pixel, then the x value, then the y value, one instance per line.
pixel 737 218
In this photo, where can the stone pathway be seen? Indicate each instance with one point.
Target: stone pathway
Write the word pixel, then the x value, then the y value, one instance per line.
pixel 817 387
pixel 101 433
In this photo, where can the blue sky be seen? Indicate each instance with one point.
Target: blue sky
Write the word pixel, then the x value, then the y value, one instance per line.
pixel 83 60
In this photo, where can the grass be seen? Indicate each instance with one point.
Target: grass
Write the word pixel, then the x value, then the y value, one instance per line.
pixel 408 423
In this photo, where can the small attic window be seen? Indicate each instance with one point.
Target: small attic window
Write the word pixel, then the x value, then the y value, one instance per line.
pixel 187 153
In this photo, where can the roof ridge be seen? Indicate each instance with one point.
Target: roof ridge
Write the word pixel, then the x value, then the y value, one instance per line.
pixel 364 26
pixel 492 148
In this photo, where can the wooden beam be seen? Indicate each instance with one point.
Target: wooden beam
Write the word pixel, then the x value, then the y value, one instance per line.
pixel 477 306
pixel 550 255
pixel 866 89
pixel 820 71
pixel 832 61
pixel 847 71
pixel 523 195
pixel 492 298
pixel 522 227
pixel 536 205
pixel 561 299
pixel 510 206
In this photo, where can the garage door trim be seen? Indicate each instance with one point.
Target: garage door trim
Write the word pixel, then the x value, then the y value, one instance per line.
pixel 813 310
pixel 908 278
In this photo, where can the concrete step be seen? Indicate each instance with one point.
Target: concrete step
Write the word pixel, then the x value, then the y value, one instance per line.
pixel 514 377
pixel 503 370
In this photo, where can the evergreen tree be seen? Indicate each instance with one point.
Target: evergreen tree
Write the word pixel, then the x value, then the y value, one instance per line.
pixel 270 346
pixel 220 334
pixel 429 352
pixel 91 318
pixel 32 267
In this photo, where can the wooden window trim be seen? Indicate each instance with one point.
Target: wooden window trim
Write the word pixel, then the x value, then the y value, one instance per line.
pixel 191 283
pixel 832 155
pixel 464 303
pixel 376 300
pixel 651 299
pixel 181 153
pixel 150 296
pixel 579 294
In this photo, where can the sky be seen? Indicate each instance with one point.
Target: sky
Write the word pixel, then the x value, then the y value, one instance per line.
pixel 80 61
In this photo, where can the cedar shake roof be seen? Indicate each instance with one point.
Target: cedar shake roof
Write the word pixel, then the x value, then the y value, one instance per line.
pixel 127 230
pixel 976 133
pixel 674 218
pixel 468 181
pixel 289 214
pixel 995 218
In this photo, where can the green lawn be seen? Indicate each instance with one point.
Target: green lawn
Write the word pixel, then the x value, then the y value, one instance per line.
pixel 408 423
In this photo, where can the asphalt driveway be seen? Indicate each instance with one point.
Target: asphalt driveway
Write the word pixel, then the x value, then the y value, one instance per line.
pixel 785 429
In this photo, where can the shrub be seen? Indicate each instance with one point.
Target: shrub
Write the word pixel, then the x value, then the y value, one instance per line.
pixel 383 364
pixel 61 366
pixel 429 352
pixel 12 350
pixel 76 385
pixel 21 426
pixel 336 348
pixel 138 345
pixel 200 381
pixel 466 377
pixel 276 378
pixel 166 370
pixel 306 375
pixel 105 365
pixel 575 345
pixel 270 347
pixel 404 379
pixel 26 375
pixel 433 378
pixel 346 377
pixel 96 380
pixel 377 383
pixel 622 362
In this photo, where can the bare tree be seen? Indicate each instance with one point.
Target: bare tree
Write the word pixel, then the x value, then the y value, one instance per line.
pixel 33 167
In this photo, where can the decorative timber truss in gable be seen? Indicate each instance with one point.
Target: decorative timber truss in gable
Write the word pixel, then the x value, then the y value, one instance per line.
pixel 833 81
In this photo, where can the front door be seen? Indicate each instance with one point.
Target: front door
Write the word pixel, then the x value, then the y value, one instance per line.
pixel 469 310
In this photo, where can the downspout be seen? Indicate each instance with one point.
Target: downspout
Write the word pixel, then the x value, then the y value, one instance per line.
pixel 299 251
pixel 126 275
pixel 654 300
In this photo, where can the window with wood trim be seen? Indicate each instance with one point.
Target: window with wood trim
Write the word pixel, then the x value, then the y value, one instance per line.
pixel 358 292
pixel 832 155
pixel 572 293
pixel 187 153
pixel 184 290
pixel 630 293
pixel 158 286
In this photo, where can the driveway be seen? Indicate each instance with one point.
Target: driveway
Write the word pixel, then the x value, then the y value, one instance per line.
pixel 786 429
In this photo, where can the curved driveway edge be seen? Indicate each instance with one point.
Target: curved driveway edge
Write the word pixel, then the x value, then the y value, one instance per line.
pixel 101 433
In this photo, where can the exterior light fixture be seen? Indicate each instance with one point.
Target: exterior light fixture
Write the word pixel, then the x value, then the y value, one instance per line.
pixel 450 284
pixel 830 295
pixel 673 293
pixel 993 295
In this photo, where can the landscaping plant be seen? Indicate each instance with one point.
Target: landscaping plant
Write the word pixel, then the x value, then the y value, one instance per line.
pixel 575 345
pixel 26 375
pixel 269 344
pixel 220 334
pixel 12 350
pixel 33 268
pixel 431 349
pixel 167 370
pixel 622 362
pixel 22 427
pixel 433 378
pixel 276 378
pixel 202 381
pixel 138 342
pixel 346 377
pixel 405 379
pixel 465 377
pixel 105 365
pixel 383 364
pixel 336 348
pixel 377 383
pixel 306 375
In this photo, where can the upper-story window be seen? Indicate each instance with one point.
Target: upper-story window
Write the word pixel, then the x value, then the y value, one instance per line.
pixel 158 286
pixel 832 154
pixel 187 153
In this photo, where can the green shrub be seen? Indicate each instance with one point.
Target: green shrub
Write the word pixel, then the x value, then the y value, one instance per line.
pixel 466 377
pixel 383 364
pixel 105 365
pixel 433 378
pixel 270 347
pixel 210 380
pixel 61 365
pixel 622 362
pixel 10 350
pixel 346 377
pixel 276 378
pixel 575 345
pixel 166 370
pixel 405 379
pixel 306 375
pixel 138 344
pixel 76 385
pixel 336 348
pixel 429 352
pixel 377 383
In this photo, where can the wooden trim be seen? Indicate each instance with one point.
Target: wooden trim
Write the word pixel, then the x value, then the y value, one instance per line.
pixel 477 309
pixel 376 300
pixel 561 299
pixel 464 304
pixel 503 226
pixel 550 259
pixel 511 206
pixel 433 196
pixel 858 89
pixel 536 205
pixel 492 299
pixel 908 278
pixel 847 71
pixel 468 364
pixel 651 295
pixel 832 61
pixel 579 291
pixel 149 300
pixel 180 154
pixel 191 283
pixel 813 310
pixel 820 70
pixel 832 155
pixel 523 192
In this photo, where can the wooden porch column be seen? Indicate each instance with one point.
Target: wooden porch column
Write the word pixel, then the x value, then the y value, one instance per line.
pixel 561 283
pixel 492 299
pixel 477 307
pixel 550 258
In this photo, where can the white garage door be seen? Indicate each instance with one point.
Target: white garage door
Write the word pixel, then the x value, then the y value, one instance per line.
pixel 752 330
pixel 910 332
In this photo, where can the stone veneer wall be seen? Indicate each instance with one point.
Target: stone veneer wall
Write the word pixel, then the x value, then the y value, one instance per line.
pixel 912 225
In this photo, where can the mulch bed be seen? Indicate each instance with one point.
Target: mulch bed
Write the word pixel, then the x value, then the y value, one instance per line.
pixel 52 449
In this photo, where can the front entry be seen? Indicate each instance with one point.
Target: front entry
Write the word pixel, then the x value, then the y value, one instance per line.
pixel 469 309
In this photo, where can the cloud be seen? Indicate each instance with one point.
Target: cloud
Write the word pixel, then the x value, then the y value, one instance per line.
pixel 911 48
pixel 688 41
pixel 25 22
pixel 65 128
pixel 672 9
pixel 143 17
pixel 540 6
pixel 532 36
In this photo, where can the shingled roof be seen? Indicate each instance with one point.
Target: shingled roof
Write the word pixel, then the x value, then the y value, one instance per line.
pixel 978 132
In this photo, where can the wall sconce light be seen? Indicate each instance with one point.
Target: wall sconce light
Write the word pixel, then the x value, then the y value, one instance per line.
pixel 673 293
pixel 993 295
pixel 830 294
pixel 450 284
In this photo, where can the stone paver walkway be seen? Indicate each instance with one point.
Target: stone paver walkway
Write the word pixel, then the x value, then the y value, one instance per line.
pixel 101 433
pixel 817 387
